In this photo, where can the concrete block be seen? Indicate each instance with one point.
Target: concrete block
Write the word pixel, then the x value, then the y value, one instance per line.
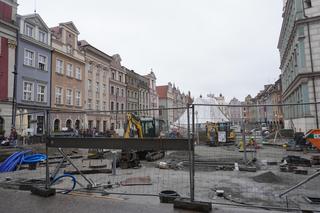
pixel 183 203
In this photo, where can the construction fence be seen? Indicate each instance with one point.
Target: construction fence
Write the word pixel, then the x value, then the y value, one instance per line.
pixel 232 155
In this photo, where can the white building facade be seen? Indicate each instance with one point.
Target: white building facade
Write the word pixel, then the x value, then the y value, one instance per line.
pixel 299 46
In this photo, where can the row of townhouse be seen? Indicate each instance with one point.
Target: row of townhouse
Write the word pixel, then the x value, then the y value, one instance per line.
pixel 266 107
pixel 48 75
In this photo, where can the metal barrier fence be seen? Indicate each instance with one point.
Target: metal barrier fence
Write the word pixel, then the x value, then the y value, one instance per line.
pixel 235 155
pixel 103 135
pixel 251 154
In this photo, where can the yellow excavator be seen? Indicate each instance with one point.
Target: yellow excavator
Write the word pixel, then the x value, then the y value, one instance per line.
pixel 140 127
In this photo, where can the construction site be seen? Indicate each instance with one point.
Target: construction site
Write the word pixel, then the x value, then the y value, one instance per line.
pixel 202 162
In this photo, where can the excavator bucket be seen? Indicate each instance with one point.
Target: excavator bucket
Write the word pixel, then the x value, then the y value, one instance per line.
pixel 313 137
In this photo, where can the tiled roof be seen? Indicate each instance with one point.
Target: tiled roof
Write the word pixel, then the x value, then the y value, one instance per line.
pixel 162 91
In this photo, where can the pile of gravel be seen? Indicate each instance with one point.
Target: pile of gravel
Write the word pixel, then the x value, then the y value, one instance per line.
pixel 267 177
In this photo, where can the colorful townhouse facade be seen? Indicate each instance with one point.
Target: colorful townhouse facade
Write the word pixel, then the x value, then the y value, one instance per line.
pixel 68 79
pixel 97 75
pixel 50 77
pixel 33 79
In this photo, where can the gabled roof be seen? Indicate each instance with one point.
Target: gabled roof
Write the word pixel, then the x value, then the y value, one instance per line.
pixel 38 17
pixel 162 91
pixel 70 25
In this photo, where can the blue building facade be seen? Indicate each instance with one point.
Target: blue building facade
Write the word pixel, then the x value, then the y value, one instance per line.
pixel 33 74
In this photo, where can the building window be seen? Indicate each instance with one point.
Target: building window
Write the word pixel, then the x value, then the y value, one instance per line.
pixel 104 89
pixel 98 74
pixel 97 87
pixel 122 93
pixel 27 91
pixel 89 104
pixel 42 37
pixel 58 95
pixel 42 62
pixel 42 93
pixel 97 105
pixel 59 66
pixel 113 76
pixel 112 106
pixel 78 98
pixel 117 107
pixel 104 106
pixel 28 57
pixel 122 107
pixel 120 78
pixel 28 30
pixel 117 93
pixel 90 68
pixel 69 70
pixel 112 90
pixel 69 97
pixel 78 73
pixel 89 85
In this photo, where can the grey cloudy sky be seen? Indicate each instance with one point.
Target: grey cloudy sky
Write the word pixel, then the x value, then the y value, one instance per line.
pixel 204 46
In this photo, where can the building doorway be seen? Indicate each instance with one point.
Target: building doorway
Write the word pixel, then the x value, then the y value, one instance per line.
pixel 56 125
pixel 69 124
pixel 40 124
pixel 98 126
pixel 104 126
pixel 77 124
pixel 1 126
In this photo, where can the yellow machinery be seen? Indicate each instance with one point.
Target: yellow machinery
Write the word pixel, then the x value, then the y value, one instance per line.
pixel 137 127
pixel 215 130
pixel 133 122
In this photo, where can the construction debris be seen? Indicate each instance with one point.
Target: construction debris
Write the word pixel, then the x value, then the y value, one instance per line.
pixel 170 164
pixel 248 168
pixel 88 171
pixel 296 161
pixel 301 171
pixel 134 181
pixel 315 160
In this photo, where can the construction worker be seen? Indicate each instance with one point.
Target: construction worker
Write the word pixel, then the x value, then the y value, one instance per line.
pixel 212 136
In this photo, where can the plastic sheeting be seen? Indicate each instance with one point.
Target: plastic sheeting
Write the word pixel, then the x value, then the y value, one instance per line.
pixel 203 114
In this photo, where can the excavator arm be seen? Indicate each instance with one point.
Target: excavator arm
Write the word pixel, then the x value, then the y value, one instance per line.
pixel 133 121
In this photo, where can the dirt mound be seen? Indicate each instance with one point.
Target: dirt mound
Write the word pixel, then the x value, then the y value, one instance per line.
pixel 267 177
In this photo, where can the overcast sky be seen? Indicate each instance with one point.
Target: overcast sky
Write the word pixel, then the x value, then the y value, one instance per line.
pixel 205 46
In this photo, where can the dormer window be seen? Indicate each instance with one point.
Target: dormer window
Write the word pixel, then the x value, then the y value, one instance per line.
pixel 29 30
pixel 42 37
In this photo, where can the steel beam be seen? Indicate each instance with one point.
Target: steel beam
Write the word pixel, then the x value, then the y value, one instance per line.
pixel 119 143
